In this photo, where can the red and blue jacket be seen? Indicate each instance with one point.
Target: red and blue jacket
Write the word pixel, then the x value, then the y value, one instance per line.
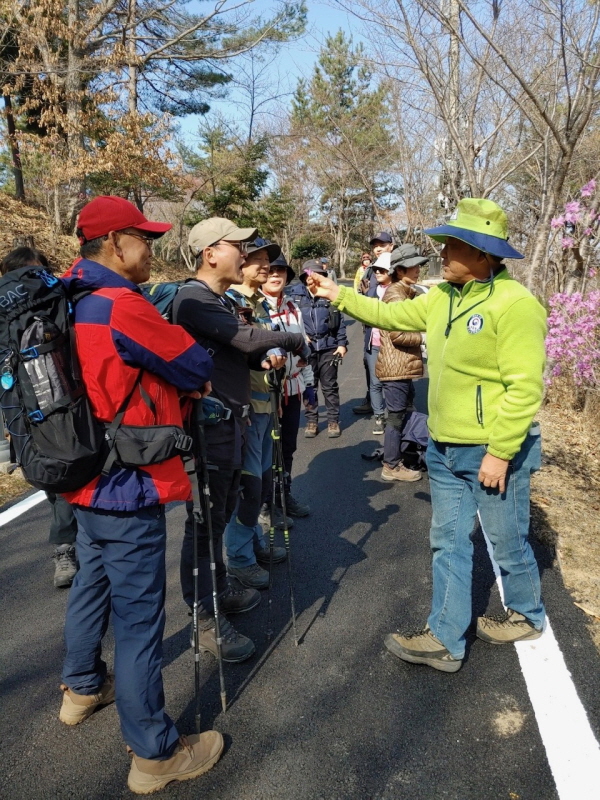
pixel 118 333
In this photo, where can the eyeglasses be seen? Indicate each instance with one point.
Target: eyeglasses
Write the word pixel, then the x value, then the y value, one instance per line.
pixel 241 246
pixel 380 269
pixel 277 269
pixel 148 240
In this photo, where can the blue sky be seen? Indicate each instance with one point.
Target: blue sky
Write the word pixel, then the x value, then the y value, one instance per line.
pixel 295 59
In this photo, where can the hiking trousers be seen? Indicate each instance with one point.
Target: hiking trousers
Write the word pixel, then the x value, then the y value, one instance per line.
pixel 326 375
pixel 122 569
pixel 398 396
pixel 244 534
pixel 224 485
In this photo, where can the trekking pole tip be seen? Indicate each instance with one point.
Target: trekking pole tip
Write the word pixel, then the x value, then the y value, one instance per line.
pixel 224 701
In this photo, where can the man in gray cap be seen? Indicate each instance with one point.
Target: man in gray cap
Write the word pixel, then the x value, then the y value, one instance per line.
pixel 205 311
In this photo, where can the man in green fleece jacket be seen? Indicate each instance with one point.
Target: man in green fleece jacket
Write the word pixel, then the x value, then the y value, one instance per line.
pixel 485 341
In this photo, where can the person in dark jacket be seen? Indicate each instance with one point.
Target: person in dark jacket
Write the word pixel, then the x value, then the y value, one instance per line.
pixel 381 243
pixel 372 342
pixel 126 348
pixel 63 527
pixel 326 331
pixel 204 310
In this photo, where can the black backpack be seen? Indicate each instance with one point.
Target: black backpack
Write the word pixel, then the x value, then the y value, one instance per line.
pixel 59 444
pixel 415 436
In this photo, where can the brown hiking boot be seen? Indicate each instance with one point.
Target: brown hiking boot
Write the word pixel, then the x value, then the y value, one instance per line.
pixel 506 628
pixel 78 707
pixel 422 647
pixel 333 430
pixel 194 755
pixel 311 430
pixel 399 473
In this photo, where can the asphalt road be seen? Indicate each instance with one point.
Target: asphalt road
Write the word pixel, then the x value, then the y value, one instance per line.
pixel 337 717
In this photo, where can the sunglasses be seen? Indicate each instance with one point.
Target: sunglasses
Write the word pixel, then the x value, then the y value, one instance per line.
pixel 380 269
pixel 278 269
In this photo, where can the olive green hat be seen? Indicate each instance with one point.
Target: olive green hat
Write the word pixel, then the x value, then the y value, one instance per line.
pixel 480 223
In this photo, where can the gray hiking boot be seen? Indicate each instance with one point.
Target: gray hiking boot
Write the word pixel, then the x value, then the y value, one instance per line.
pixel 234 647
pixel 379 425
pixel 506 628
pixel 295 508
pixel 65 560
pixel 264 518
pixel 263 556
pixel 422 647
pixel 236 599
pixel 253 576
pixel 363 408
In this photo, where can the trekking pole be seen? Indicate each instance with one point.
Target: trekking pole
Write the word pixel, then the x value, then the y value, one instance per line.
pixel 197 519
pixel 279 480
pixel 199 420
pixel 271 540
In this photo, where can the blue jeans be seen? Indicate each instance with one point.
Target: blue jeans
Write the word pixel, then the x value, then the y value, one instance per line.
pixel 122 568
pixel 375 385
pixel 398 396
pixel 243 533
pixel 456 497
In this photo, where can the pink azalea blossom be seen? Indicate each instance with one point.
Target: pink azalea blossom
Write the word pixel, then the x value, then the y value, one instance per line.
pixel 588 232
pixel 567 241
pixel 557 222
pixel 573 342
pixel 573 207
pixel 592 272
pixel 589 189
pixel 573 217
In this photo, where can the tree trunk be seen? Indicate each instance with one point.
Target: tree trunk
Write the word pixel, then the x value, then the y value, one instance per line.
pixel 543 228
pixel 133 69
pixel 76 186
pixel 14 149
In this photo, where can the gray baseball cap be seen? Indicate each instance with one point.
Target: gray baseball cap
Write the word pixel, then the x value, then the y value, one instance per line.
pixel 407 255
pixel 213 230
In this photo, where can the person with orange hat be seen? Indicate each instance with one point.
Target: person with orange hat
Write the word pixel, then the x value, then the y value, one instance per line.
pixel 132 361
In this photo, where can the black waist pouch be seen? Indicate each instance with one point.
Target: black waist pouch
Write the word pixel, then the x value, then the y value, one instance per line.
pixel 142 446
pixel 334 319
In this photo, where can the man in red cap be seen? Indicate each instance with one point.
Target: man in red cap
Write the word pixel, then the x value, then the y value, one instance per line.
pixel 131 359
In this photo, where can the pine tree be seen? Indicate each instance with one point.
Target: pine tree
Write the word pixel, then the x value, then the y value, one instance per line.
pixel 343 127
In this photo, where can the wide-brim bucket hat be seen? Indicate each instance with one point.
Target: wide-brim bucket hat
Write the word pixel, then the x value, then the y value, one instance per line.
pixel 407 256
pixel 281 262
pixel 273 250
pixel 480 223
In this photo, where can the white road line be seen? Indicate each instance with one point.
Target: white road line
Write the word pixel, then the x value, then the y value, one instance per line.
pixel 21 507
pixel 571 748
